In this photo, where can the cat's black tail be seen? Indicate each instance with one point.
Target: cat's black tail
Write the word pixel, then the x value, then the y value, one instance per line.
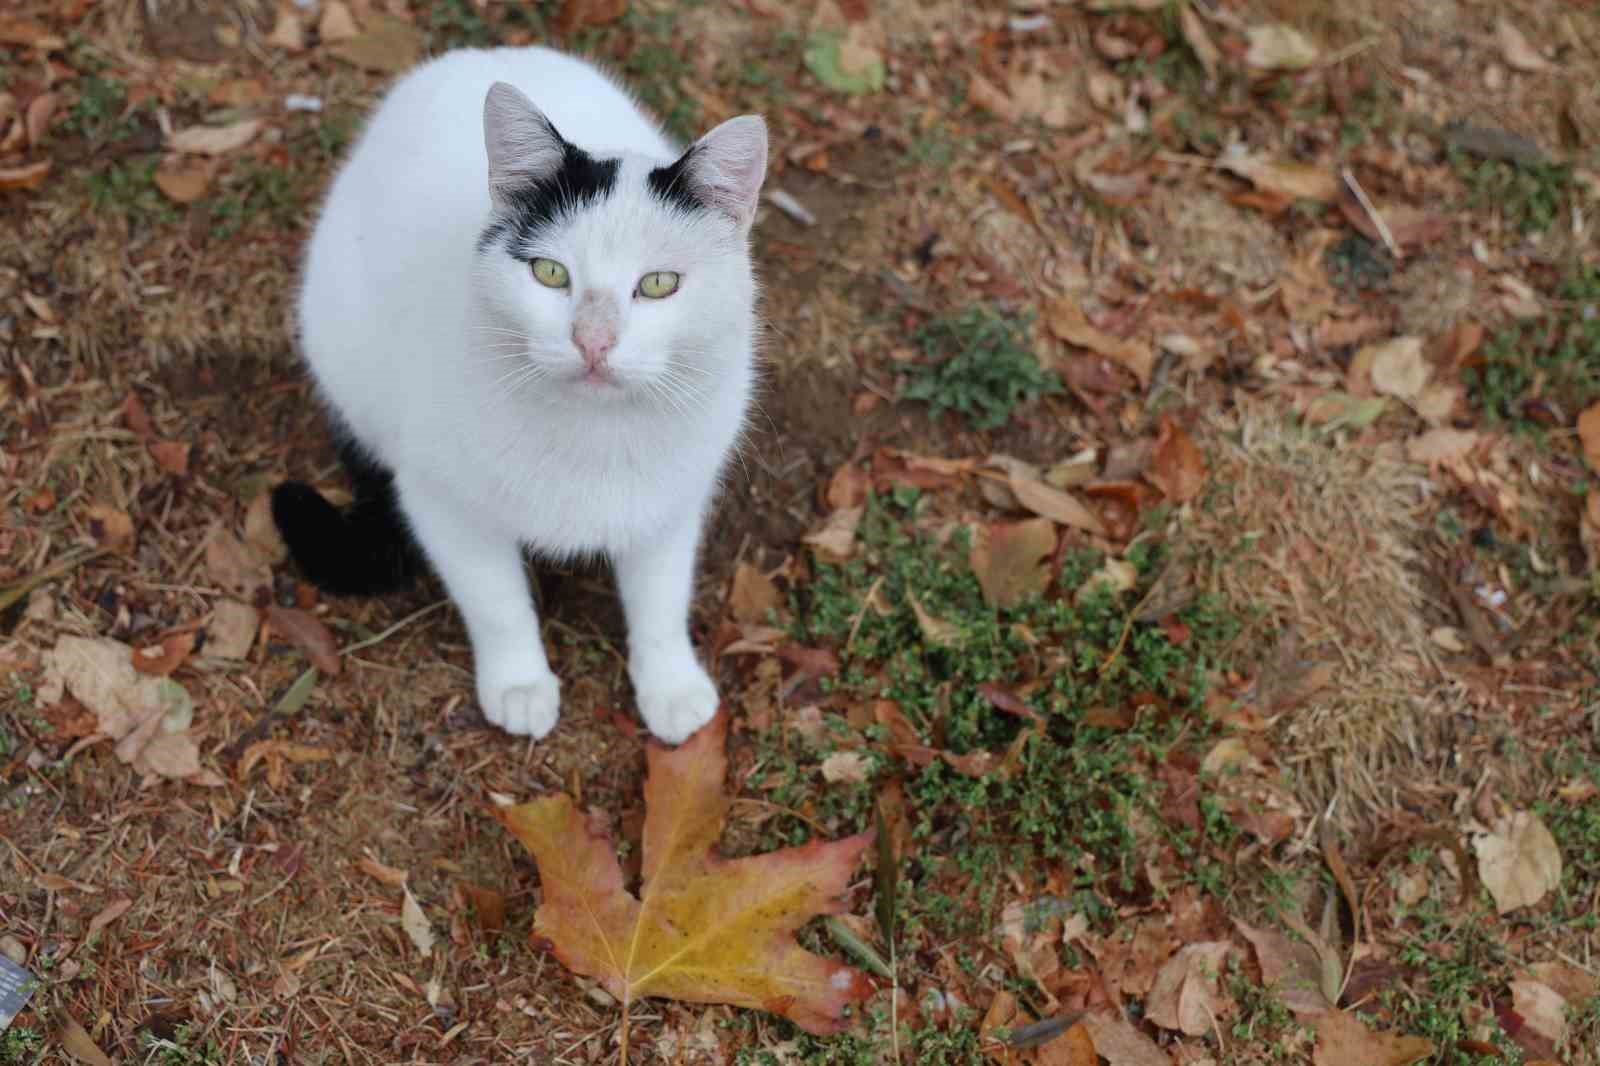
pixel 362 550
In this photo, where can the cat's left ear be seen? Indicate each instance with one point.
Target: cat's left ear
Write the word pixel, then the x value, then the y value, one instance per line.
pixel 727 166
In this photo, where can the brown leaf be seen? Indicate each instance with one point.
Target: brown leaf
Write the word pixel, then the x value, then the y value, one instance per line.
pixel 1589 435
pixel 148 717
pixel 1176 466
pixel 232 630
pixel 1187 995
pixel 1294 181
pixel 1056 505
pixel 1398 368
pixel 836 540
pixel 172 456
pixel 30 33
pixel 236 567
pixel 183 179
pixel 1067 321
pixel 287 31
pixel 261 532
pixel 1011 560
pixel 308 633
pixel 159 660
pixel 753 595
pixel 488 904
pixel 415 923
pixel 109 527
pixel 336 23
pixel 37 121
pixel 1543 1009
pixel 703 928
pixel 1031 944
pixel 137 418
pixel 1274 46
pixel 1075 1047
pixel 935 630
pixel 1518 861
pixel 389 875
pixel 1570 983
pixel 847 488
pixel 1441 445
pixel 108 914
pixel 1518 53
pixel 215 140
pixel 388 46
pixel 1198 40
pixel 1005 701
pixel 850 767
pixel 987 95
pixel 1344 1040
pixel 1120 1044
pixel 1290 968
pixel 576 14
pixel 77 1042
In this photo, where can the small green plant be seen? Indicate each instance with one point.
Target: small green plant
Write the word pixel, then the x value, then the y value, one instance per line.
pixel 20 1045
pixel 1530 197
pixel 1355 264
pixel 1558 353
pixel 180 1050
pixel 98 113
pixel 979 364
pixel 1452 962
pixel 129 189
pixel 256 194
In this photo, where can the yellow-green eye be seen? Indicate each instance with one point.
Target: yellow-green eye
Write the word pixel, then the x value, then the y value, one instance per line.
pixel 658 285
pixel 550 273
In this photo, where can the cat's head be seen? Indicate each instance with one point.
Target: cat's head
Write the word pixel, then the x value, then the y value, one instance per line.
pixel 616 279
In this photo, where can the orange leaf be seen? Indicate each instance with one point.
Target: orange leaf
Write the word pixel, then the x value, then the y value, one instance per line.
pixel 1589 434
pixel 306 631
pixel 1075 1047
pixel 1177 468
pixel 703 929
pixel 161 659
pixel 24 177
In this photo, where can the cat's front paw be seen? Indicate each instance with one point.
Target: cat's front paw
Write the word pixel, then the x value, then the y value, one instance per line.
pixel 523 703
pixel 675 700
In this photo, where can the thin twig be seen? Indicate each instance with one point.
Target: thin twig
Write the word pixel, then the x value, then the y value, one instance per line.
pixel 22 588
pixel 1372 212
pixel 362 645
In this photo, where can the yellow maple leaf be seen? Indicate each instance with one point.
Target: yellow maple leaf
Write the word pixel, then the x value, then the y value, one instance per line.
pixel 704 928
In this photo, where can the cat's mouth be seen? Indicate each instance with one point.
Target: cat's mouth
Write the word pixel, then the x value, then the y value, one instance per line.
pixel 597 378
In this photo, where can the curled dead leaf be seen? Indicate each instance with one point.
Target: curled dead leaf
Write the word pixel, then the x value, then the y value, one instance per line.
pixel 836 540
pixel 232 630
pixel 1275 46
pixel 1398 368
pixel 109 526
pixel 1514 47
pixel 27 176
pixel 753 595
pixel 308 633
pixel 183 179
pixel 1187 995
pixel 1067 321
pixel 1177 467
pixel 1518 861
pixel 215 140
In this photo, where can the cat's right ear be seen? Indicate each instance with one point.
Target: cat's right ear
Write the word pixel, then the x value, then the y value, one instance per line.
pixel 522 144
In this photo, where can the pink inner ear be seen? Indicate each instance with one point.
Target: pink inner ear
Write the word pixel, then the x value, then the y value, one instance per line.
pixel 730 163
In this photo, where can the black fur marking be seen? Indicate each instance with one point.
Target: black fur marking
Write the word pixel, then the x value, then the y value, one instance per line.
pixel 364 549
pixel 581 179
pixel 671 184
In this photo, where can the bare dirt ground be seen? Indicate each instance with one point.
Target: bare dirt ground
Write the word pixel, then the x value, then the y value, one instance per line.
pixel 1172 512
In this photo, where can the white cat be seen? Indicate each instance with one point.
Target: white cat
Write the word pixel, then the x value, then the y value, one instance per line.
pixel 533 320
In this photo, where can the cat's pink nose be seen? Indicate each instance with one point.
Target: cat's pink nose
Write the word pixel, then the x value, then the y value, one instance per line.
pixel 594 341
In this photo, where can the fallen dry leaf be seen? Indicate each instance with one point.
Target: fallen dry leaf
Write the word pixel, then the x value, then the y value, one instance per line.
pixel 1291 969
pixel 278 754
pixel 388 46
pixel 836 540
pixel 935 630
pixel 1176 466
pixel 1518 861
pixel 1293 181
pixel 1198 40
pixel 1120 1044
pixel 753 595
pixel 148 717
pixel 183 179
pixel 1278 47
pixel 160 660
pixel 37 120
pixel 703 929
pixel 1518 53
pixel 1075 1047
pixel 1398 368
pixel 1056 505
pixel 77 1042
pixel 109 526
pixel 336 23
pixel 215 140
pixel 287 31
pixel 27 176
pixel 1067 321
pixel 1543 1009
pixel 30 33
pixel 108 914
pixel 1570 983
pixel 848 766
pixel 1187 995
pixel 236 567
pixel 415 923
pixel 232 630
pixel 1012 560
pixel 171 456
pixel 1032 944
pixel 1344 1040
pixel 576 14
pixel 1589 435
pixel 1442 445
pixel 308 633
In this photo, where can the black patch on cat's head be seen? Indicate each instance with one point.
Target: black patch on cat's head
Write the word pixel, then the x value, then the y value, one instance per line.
pixel 671 184
pixel 578 181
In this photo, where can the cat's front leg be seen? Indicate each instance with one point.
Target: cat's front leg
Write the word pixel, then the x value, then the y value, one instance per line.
pixel 676 697
pixel 483 571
